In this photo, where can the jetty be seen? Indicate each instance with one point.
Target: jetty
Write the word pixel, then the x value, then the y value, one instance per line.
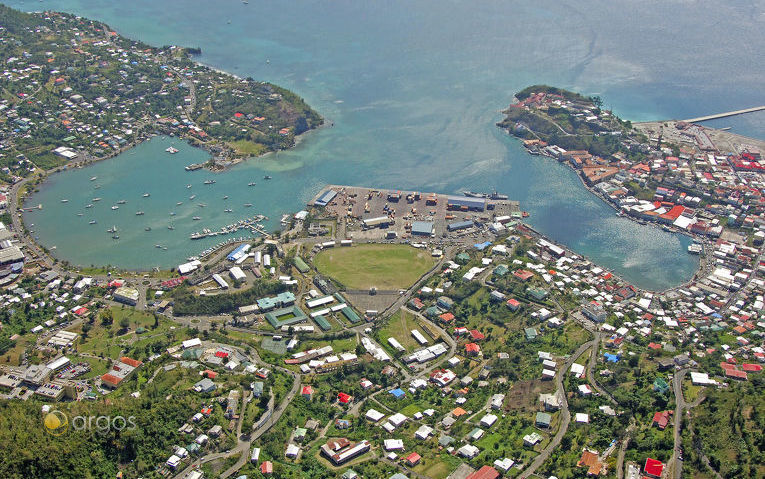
pixel 724 115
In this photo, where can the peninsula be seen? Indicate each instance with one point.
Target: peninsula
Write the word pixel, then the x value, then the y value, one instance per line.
pixel 73 90
pixel 684 177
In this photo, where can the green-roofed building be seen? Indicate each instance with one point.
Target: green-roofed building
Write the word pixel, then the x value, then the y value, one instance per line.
pixel 501 270
pixel 432 312
pixel 463 257
pixel 193 353
pixel 285 317
pixel 322 322
pixel 537 293
pixel 531 334
pixel 660 386
pixel 300 265
pixel 543 419
pixel 350 314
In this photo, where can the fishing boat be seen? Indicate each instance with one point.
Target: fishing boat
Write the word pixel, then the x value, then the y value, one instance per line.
pixel 267 177
pixel 250 184
pixel 188 186
pixel 247 205
pixel 170 227
pixel 139 213
pixel 192 197
pixel 196 218
pixel 146 195
pixel 157 245
pixel 97 199
pixel 92 222
pixel 115 207
pixel 201 205
pixel 172 213
pixel 209 182
pixel 115 236
pixel 93 178
pixel 228 210
pixel 525 214
pixel 113 229
pixel 148 228
pixel 121 202
pixel 171 150
pixel 225 197
pixel 89 206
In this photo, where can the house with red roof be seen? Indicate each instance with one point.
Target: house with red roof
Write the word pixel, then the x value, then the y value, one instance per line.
pixel 307 392
pixel 751 368
pixel 485 472
pixel 736 374
pixel 661 419
pixel 523 275
pixel 344 398
pixel 472 349
pixel 413 459
pixel 446 317
pixel 266 467
pixel 653 468
pixel 476 335
pixel 513 304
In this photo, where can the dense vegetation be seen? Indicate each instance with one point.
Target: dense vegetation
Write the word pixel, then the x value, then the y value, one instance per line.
pixel 186 302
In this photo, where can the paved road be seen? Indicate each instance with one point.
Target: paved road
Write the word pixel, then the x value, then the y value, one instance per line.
pixel 680 407
pixel 565 415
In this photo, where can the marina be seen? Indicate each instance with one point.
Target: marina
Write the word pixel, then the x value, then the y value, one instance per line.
pixel 252 224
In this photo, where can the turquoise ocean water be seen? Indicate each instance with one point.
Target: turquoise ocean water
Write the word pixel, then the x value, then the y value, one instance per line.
pixel 414 90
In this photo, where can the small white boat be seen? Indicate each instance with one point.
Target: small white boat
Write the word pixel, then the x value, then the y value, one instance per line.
pixel 196 218
pixel 93 178
pixel 121 202
pixel 179 203
pixel 146 195
pixel 65 201
pixel 115 207
pixel 96 199
pixel 171 150
pixel 92 222
pixel 250 184
pixel 139 213
pixel 192 197
pixel 89 206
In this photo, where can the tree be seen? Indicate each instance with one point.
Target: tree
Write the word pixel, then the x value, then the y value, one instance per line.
pixel 107 317
pixel 124 323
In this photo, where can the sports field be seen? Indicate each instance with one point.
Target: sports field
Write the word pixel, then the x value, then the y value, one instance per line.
pixel 384 266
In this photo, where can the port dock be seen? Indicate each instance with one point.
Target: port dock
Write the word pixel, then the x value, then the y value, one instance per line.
pixel 371 213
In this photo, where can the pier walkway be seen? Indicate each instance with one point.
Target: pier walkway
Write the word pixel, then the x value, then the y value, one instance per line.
pixel 726 114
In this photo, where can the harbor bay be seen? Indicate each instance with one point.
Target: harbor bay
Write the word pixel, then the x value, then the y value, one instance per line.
pixel 402 119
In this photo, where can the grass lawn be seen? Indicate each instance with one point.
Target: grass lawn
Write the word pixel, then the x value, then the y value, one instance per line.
pixel 246 147
pixel 385 266
pixel 400 326
pixel 109 340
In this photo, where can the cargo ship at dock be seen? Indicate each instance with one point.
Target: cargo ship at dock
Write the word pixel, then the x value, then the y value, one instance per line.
pixel 491 196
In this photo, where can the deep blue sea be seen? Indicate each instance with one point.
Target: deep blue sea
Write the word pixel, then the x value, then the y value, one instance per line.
pixel 414 89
